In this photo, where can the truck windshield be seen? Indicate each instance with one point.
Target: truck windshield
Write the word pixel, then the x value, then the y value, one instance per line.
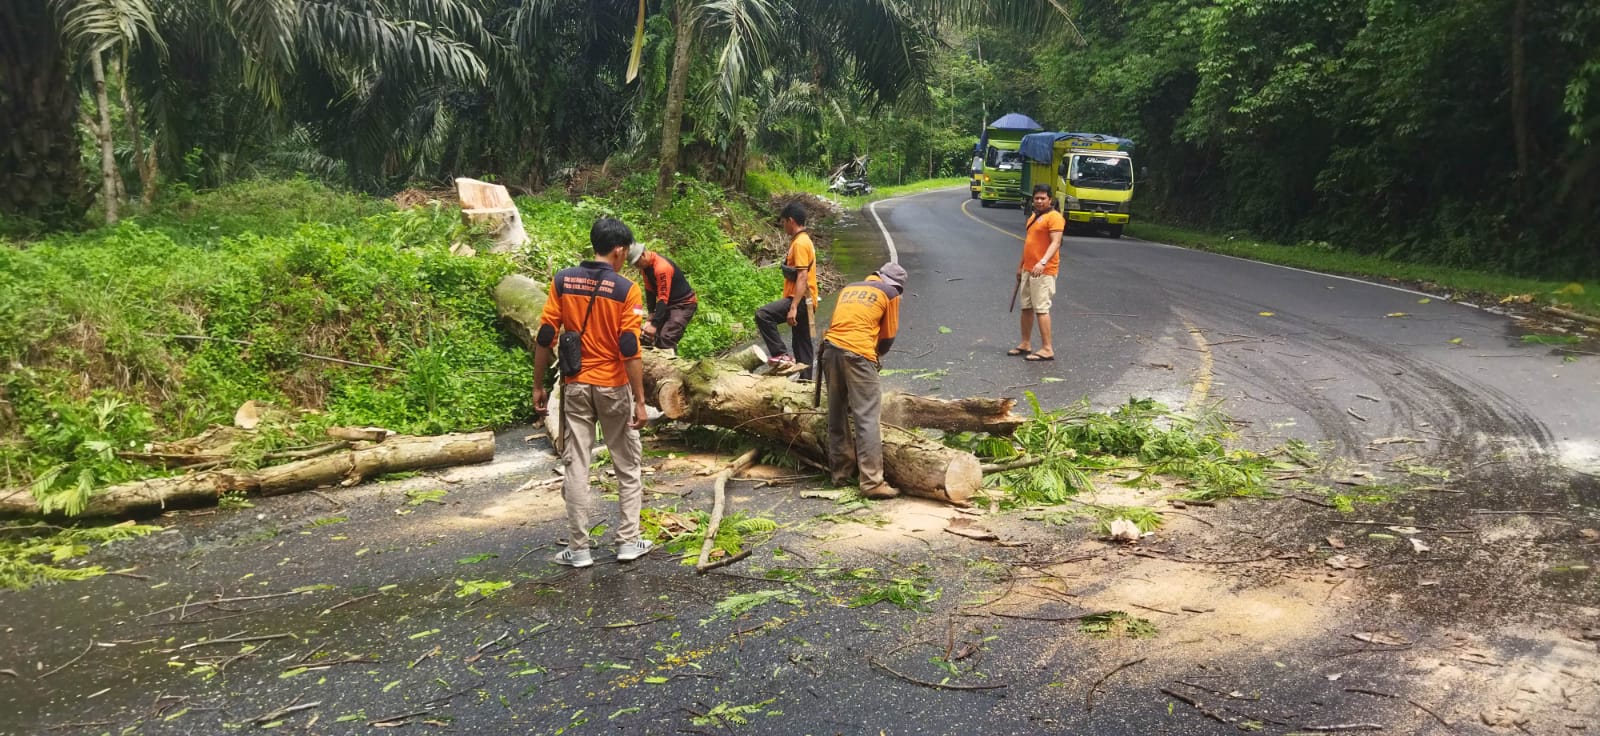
pixel 1102 172
pixel 1001 158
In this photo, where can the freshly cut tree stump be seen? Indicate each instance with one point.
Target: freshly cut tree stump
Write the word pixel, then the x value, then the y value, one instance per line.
pixel 482 202
pixel 345 468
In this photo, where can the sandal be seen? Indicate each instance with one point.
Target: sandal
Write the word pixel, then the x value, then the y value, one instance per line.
pixel 1018 351
pixel 1037 358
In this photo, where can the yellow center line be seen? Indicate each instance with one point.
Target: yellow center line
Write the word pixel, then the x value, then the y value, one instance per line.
pixel 1202 381
pixel 989 225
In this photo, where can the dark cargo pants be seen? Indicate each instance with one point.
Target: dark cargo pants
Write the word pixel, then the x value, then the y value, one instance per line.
pixel 671 330
pixel 776 313
pixel 853 398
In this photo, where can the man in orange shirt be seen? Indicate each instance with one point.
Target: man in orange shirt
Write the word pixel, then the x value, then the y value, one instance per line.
pixel 596 314
pixel 1036 275
pixel 799 286
pixel 865 320
pixel 673 301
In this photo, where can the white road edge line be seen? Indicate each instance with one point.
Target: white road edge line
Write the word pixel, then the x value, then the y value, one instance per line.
pixel 894 255
pixel 1351 279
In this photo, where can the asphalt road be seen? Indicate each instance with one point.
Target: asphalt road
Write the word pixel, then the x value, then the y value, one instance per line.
pixel 350 612
pixel 1293 353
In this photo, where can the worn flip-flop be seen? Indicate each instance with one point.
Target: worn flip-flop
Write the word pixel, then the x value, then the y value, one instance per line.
pixel 1037 358
pixel 1017 351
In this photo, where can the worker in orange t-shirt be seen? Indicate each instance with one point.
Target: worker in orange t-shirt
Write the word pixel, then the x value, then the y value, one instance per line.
pixel 865 320
pixel 591 319
pixel 1036 275
pixel 799 287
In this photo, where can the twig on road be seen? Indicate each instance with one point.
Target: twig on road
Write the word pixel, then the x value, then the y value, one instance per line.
pixel 1088 698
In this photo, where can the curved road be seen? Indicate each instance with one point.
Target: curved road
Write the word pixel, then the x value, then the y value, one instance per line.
pixel 1287 352
pixel 349 613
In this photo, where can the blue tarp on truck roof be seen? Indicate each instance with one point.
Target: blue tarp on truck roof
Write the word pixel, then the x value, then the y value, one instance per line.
pixel 1015 121
pixel 1038 146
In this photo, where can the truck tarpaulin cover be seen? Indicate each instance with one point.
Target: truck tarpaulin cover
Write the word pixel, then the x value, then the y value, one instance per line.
pixel 1038 146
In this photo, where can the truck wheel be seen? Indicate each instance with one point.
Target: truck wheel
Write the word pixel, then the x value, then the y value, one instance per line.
pixel 985 203
pixel 1116 231
pixel 974 195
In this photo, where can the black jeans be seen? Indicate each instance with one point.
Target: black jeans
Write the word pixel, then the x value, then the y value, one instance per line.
pixel 770 316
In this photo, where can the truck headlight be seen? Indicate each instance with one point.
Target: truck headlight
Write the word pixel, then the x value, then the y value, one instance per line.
pixel 1069 202
pixel 1122 206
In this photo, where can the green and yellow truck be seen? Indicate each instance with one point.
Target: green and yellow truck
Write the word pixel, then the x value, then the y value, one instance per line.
pixel 1091 175
pixel 1001 177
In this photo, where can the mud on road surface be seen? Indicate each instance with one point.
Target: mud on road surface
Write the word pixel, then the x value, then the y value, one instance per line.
pixel 351 611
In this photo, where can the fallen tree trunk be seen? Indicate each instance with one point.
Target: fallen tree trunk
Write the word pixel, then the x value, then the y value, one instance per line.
pixel 780 411
pixel 346 468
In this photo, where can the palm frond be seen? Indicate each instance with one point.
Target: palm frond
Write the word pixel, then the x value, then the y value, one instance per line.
pixel 96 25
pixel 748 25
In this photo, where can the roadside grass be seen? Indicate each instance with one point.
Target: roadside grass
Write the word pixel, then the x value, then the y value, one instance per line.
pixel 1578 296
pixel 763 183
pixel 330 307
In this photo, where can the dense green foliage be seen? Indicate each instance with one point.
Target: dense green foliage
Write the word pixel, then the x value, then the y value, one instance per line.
pixel 1458 133
pixel 163 325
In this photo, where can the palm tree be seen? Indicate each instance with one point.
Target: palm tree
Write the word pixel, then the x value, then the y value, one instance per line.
pixel 292 59
pixel 881 47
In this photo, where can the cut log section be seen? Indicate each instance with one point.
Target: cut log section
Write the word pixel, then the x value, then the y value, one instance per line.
pixel 346 468
pixel 779 411
pixel 490 204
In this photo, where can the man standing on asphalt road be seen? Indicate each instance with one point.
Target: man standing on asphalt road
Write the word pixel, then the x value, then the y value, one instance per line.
pixel 865 320
pixel 596 313
pixel 1036 275
pixel 799 268
pixel 674 301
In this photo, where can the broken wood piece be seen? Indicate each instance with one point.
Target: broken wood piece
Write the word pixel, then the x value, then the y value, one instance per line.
pixel 720 488
pixel 359 434
pixel 1345 727
pixel 964 527
pixel 1027 462
pixel 344 468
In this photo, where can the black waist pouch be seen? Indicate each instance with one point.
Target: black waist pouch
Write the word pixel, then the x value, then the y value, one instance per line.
pixel 569 348
pixel 789 272
pixel 569 354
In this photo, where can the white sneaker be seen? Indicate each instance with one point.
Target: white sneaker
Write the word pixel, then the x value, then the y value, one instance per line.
pixel 630 551
pixel 574 558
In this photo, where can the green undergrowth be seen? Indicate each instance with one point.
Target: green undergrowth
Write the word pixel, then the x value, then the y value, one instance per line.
pixel 34 553
pixel 702 230
pixel 1578 296
pixel 333 308
pixel 163 325
pixel 1141 439
pixel 764 183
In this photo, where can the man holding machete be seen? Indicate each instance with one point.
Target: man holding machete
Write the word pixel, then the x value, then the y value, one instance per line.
pixel 865 320
pixel 1036 274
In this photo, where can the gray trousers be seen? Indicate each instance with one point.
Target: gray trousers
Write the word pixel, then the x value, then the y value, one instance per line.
pixel 853 398
pixel 584 406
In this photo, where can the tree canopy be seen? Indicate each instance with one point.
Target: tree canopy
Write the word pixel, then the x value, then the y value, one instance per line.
pixel 1457 132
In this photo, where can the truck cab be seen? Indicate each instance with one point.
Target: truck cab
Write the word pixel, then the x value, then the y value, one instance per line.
pixel 1002 173
pixel 1001 178
pixel 1091 175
